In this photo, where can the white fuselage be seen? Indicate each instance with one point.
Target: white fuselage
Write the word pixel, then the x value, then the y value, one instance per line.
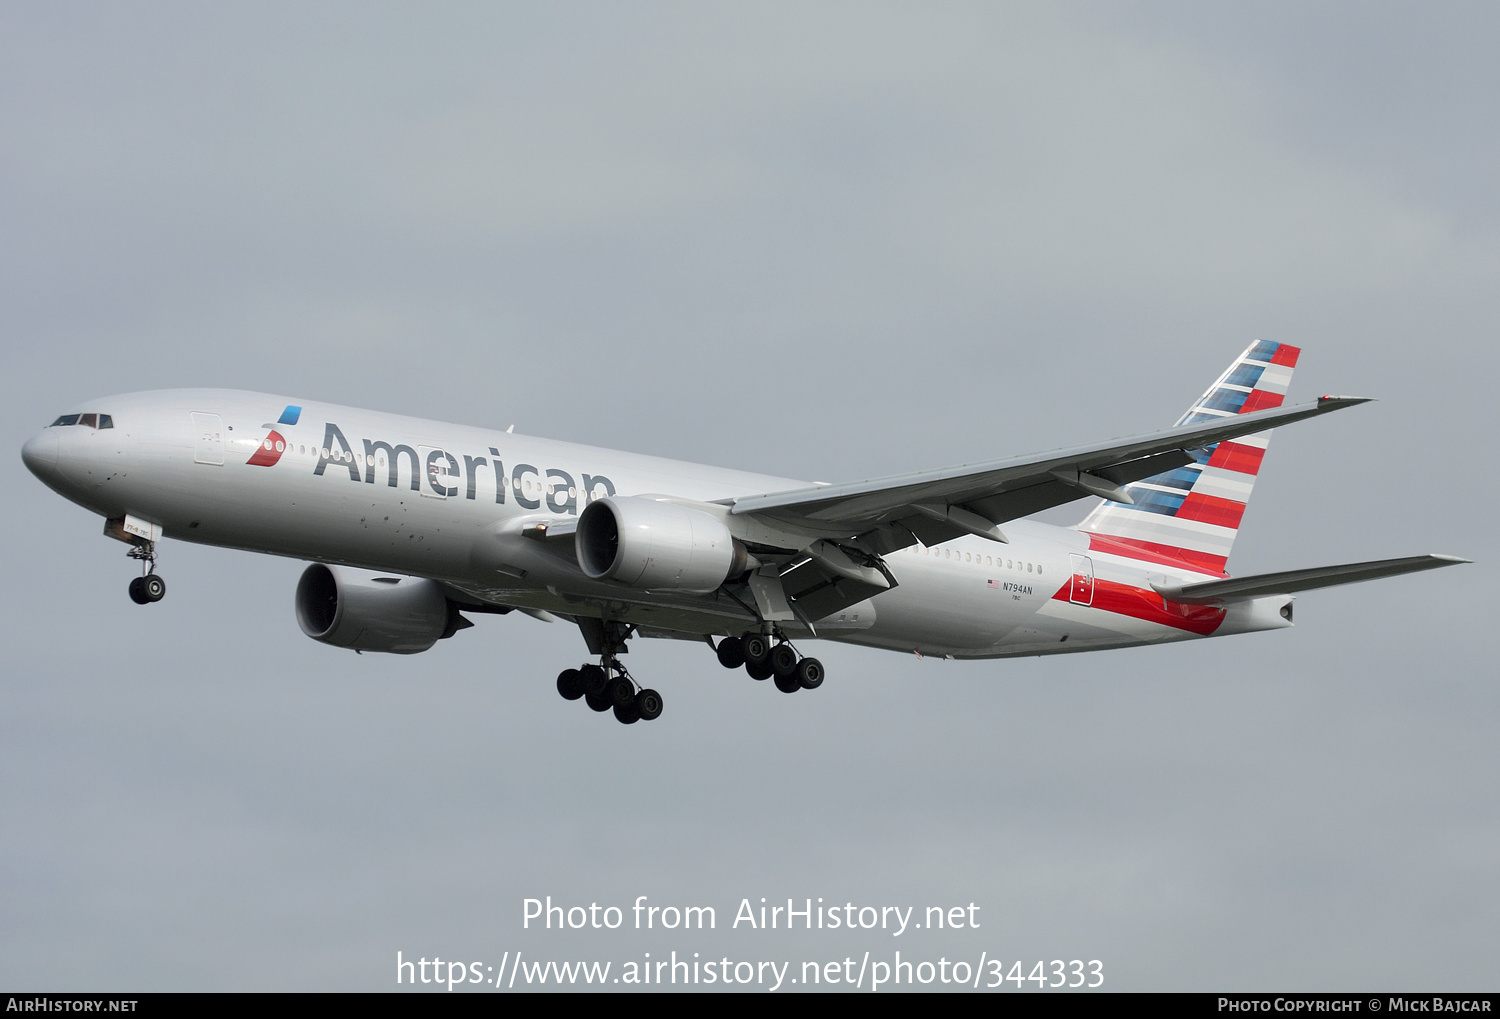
pixel 449 502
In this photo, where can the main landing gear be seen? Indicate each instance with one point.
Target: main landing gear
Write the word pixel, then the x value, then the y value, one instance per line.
pixel 610 687
pixel 148 587
pixel 763 659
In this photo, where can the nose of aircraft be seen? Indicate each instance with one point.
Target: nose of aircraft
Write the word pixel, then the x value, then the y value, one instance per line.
pixel 40 454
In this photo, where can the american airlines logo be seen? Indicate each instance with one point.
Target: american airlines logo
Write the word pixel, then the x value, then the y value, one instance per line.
pixel 445 476
pixel 275 444
pixel 270 450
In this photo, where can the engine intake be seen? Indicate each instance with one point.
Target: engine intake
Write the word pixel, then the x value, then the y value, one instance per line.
pixel 656 545
pixel 369 611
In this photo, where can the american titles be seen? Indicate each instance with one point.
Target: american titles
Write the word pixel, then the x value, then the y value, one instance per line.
pixel 445 476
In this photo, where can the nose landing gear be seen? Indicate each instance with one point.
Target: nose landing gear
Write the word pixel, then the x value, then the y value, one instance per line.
pixel 149 587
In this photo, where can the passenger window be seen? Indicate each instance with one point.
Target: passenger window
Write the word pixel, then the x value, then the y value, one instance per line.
pixel 105 421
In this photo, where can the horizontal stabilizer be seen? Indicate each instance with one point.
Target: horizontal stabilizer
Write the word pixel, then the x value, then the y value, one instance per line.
pixel 1292 581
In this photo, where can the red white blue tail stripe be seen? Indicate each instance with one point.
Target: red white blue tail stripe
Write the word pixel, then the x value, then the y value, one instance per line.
pixel 1189 517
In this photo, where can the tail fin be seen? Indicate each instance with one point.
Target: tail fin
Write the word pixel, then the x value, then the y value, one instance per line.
pixel 1193 513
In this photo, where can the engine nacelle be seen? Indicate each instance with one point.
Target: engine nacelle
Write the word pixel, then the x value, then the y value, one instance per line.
pixel 656 545
pixel 370 611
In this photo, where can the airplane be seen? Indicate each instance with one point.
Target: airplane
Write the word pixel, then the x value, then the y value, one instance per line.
pixel 408 524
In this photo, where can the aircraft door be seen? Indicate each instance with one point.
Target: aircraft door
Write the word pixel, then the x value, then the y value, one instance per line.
pixel 208 439
pixel 1081 590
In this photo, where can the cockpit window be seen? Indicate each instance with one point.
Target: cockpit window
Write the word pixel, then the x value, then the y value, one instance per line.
pixel 91 420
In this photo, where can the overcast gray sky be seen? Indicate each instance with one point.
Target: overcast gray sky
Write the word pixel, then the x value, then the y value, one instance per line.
pixel 828 241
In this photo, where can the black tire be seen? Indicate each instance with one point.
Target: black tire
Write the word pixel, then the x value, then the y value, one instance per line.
pixel 757 648
pixel 788 684
pixel 138 591
pixel 597 701
pixel 154 588
pixel 783 660
pixel 620 691
pixel 594 679
pixel 627 713
pixel 648 705
pixel 570 684
pixel 761 670
pixel 810 673
pixel 731 652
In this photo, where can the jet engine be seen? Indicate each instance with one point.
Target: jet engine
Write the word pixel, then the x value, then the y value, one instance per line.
pixel 656 545
pixel 370 611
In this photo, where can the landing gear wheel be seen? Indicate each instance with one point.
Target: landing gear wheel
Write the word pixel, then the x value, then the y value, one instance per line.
pixel 595 680
pixel 783 660
pixel 788 684
pixel 809 673
pixel 759 670
pixel 597 701
pixel 570 684
pixel 620 691
pixel 648 705
pixel 757 648
pixel 628 713
pixel 731 652
pixel 148 587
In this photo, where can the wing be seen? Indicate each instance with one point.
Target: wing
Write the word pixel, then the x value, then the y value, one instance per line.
pixel 888 514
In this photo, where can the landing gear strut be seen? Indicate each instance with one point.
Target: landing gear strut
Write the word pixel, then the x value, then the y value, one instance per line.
pixel 764 659
pixel 149 586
